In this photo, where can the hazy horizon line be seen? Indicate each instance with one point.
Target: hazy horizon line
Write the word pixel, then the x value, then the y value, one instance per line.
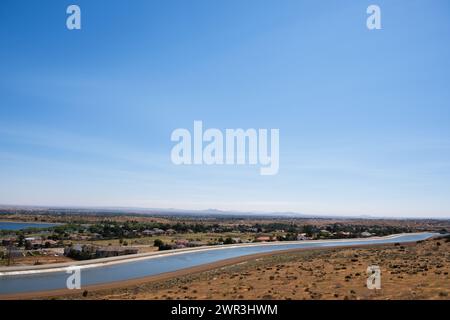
pixel 216 211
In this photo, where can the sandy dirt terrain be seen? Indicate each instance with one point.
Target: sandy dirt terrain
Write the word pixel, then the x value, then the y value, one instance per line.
pixel 415 271
pixel 40 260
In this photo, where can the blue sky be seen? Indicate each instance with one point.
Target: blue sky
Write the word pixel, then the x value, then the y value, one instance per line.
pixel 364 116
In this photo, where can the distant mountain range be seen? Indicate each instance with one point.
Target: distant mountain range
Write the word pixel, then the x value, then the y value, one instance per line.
pixel 185 212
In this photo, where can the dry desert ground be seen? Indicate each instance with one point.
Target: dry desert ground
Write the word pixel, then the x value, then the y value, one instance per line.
pixel 414 271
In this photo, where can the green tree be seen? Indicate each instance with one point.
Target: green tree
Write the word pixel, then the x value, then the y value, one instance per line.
pixel 158 243
pixel 21 240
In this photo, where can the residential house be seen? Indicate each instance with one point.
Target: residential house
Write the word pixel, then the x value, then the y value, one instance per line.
pixel 114 251
pixel 302 236
pixel 263 239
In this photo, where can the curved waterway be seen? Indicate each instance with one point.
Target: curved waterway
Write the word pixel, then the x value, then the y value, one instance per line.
pixel 35 280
